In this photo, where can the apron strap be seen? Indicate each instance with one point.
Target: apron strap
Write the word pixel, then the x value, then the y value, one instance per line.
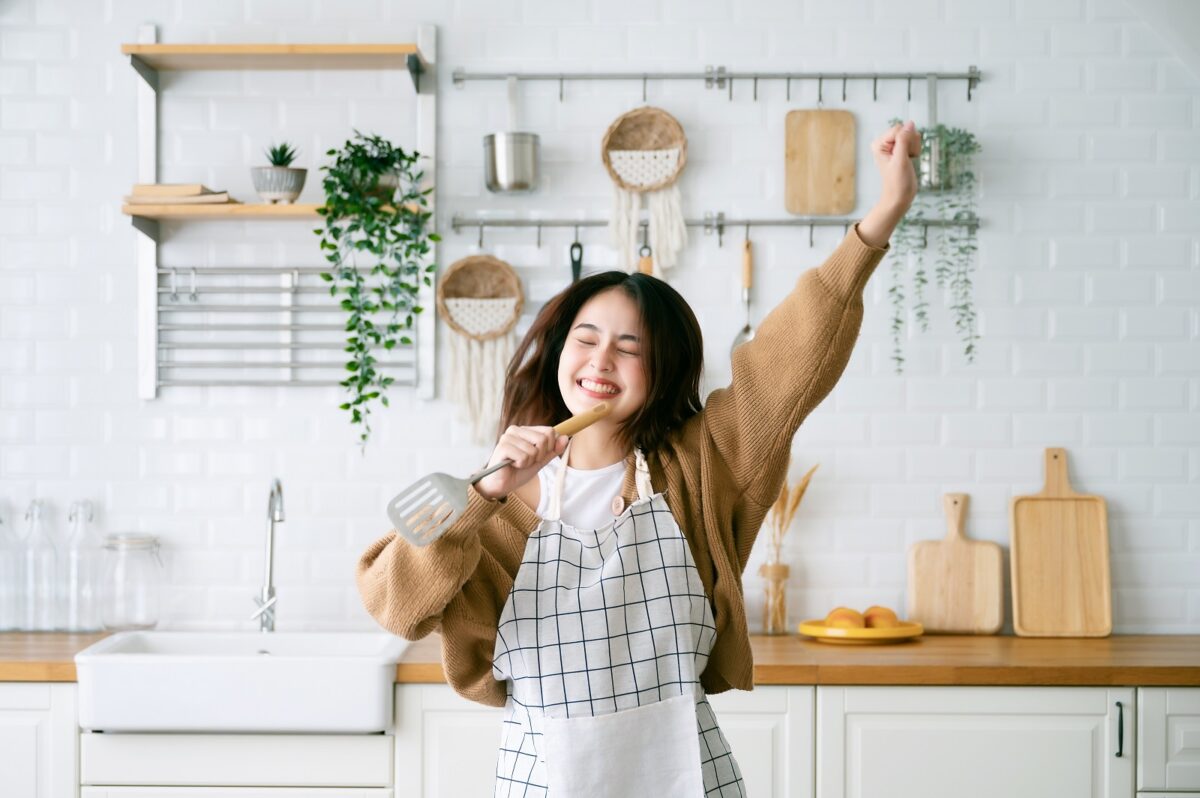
pixel 641 476
pixel 554 511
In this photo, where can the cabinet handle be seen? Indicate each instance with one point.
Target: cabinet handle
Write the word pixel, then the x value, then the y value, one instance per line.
pixel 1120 729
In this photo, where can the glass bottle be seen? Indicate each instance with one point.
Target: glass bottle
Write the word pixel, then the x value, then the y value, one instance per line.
pixel 81 572
pixel 132 582
pixel 40 572
pixel 10 578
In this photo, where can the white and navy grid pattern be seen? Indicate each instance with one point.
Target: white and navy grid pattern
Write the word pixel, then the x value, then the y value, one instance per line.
pixel 599 621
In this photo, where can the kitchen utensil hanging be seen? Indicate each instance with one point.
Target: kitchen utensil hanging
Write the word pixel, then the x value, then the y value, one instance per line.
pixel 576 259
pixel 480 299
pixel 510 158
pixel 644 151
pixel 819 152
pixel 747 332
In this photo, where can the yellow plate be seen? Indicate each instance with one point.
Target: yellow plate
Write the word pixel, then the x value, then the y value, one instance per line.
pixel 860 637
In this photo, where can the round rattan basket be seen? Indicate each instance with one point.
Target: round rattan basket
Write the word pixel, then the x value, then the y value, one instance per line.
pixel 645 128
pixel 480 277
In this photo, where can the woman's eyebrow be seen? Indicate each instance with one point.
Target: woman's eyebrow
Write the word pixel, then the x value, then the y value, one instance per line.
pixel 595 329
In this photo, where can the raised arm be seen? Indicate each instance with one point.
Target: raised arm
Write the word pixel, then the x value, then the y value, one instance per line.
pixel 801 349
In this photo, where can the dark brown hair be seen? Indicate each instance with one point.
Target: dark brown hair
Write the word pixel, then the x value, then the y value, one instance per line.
pixel 672 356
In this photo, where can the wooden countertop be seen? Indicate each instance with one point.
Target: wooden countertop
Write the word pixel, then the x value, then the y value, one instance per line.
pixel 1126 660
pixel 41 656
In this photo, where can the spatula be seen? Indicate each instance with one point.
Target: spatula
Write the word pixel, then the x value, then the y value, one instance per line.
pixel 747 332
pixel 424 510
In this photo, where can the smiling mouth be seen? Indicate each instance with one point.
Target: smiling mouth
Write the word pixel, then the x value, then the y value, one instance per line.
pixel 598 387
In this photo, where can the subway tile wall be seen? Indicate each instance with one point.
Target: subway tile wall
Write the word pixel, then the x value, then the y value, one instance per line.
pixel 1087 287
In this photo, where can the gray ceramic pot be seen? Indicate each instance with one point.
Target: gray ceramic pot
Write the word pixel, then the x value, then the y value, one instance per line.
pixel 278 183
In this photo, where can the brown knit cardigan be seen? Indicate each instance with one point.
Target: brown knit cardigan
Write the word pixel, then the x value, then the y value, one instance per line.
pixel 720 472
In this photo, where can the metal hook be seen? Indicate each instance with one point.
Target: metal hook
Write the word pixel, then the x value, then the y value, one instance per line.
pixel 875 88
pixel 924 236
pixel 731 88
pixel 845 229
pixel 192 294
pixel 539 236
pixel 747 231
pixel 910 88
pixel 756 88
pixel 789 88
pixel 481 235
pixel 576 232
pixel 810 236
pixel 820 89
pixel 843 87
pixel 643 88
pixel 174 291
pixel 560 88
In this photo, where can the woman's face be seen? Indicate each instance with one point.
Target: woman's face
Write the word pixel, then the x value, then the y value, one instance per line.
pixel 602 359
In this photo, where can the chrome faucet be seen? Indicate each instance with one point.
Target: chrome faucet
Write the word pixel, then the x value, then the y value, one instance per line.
pixel 266 602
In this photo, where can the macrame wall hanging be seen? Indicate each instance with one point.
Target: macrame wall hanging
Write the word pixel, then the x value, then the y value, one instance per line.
pixel 644 151
pixel 480 299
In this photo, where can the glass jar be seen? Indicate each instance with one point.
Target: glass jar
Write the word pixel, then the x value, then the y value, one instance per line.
pixel 132 582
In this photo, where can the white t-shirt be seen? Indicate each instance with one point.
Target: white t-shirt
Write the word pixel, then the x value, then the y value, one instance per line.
pixel 587 495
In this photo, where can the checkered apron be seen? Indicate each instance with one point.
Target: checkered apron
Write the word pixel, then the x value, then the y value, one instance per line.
pixel 600 621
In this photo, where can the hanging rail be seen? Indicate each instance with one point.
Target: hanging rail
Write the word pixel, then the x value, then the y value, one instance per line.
pixel 721 78
pixel 712 222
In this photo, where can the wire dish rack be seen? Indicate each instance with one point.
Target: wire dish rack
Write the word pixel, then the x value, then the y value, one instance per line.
pixel 259 326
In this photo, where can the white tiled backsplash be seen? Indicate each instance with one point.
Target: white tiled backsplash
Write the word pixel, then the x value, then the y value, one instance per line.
pixel 1087 288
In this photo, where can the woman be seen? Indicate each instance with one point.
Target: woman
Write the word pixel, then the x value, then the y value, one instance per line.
pixel 601 601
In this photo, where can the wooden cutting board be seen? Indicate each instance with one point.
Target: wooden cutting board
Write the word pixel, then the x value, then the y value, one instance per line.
pixel 819 162
pixel 956 585
pixel 1060 569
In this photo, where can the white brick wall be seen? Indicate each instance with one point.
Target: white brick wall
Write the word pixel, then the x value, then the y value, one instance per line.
pixel 1087 290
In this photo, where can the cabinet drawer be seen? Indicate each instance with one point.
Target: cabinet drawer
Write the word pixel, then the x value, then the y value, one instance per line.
pixel 243 760
pixel 232 792
pixel 1169 728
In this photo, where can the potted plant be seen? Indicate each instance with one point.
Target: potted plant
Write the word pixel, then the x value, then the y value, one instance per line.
pixel 376 237
pixel 946 182
pixel 279 182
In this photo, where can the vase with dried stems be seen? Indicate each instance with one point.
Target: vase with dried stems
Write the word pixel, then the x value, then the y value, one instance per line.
pixel 774 571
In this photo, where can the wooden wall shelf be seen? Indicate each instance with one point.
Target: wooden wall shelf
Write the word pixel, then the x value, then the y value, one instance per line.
pixel 232 211
pixel 275 56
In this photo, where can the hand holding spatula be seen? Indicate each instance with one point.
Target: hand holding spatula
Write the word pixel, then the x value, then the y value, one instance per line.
pixel 427 508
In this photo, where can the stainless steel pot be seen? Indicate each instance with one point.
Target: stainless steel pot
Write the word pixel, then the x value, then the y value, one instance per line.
pixel 510 162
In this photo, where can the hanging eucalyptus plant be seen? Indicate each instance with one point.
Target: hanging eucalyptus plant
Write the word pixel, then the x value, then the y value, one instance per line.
pixel 946 192
pixel 376 237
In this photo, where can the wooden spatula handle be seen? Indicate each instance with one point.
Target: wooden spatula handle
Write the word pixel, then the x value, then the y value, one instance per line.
pixel 956 515
pixel 582 421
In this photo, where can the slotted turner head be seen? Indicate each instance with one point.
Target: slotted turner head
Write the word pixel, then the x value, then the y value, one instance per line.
pixel 423 511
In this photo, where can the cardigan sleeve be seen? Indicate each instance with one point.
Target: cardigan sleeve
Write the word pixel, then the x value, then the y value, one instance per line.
pixel 406 588
pixel 796 357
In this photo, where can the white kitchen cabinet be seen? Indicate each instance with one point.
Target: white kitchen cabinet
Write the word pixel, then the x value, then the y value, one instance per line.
pixel 1169 735
pixel 985 742
pixel 447 746
pixel 37 740
pixel 236 760
pixel 770 731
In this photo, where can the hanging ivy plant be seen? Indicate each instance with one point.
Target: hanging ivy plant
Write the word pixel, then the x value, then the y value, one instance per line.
pixel 946 191
pixel 376 238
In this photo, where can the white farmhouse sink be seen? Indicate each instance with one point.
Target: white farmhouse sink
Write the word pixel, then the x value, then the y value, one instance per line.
pixel 238 681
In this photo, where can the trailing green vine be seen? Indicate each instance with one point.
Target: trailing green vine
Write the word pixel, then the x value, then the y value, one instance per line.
pixel 376 238
pixel 953 199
